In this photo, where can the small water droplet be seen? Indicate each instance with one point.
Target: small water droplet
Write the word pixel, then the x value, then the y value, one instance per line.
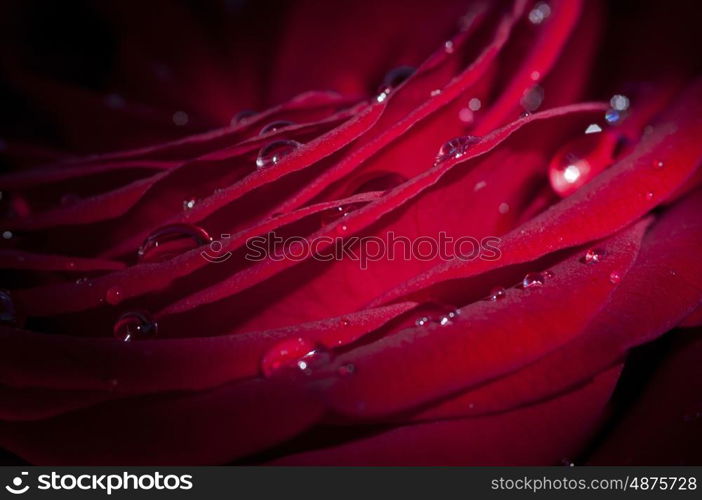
pixel 275 126
pixel 448 47
pixel 535 75
pixel 593 256
pixel 479 185
pixel 7 235
pixel 293 355
pixel 503 208
pixel 475 104
pixel 180 118
pixel 135 325
pixel 456 147
pixel 435 313
pixel 345 322
pixel 612 116
pixel 539 13
pixel 435 92
pixel 649 195
pixel 114 295
pixel 8 311
pixel 497 293
pixel 548 274
pixel 533 280
pixel 615 277
pixel 658 164
pixel 392 80
pixel 171 240
pixel 189 204
pixel 466 115
pixel 347 369
pixel 619 102
pixel 336 213
pixel 272 153
pixel 532 98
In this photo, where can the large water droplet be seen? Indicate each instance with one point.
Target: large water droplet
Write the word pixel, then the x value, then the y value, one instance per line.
pixel 579 161
pixel 294 355
pixel 272 153
pixel 456 147
pixel 594 255
pixel 533 280
pixel 135 325
pixel 392 80
pixel 8 311
pixel 189 204
pixel 275 126
pixel 171 240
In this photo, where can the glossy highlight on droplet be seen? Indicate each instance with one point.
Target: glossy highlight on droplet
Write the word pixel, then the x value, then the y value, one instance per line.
pixel 334 214
pixel 497 293
pixel 435 313
pixel 172 240
pixel 593 256
pixel 275 126
pixel 272 153
pixel 135 325
pixel 533 280
pixel 392 80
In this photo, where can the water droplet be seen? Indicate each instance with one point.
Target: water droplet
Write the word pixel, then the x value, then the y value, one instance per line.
pixel 336 213
pixel 474 104
pixel 533 280
pixel 593 256
pixel 532 98
pixel 448 47
pixel 8 311
pixel 294 355
pixel 345 322
pixel 275 126
pixel 612 116
pixel 135 325
pixel 534 75
pixel 114 295
pixel 272 153
pixel 171 240
pixel 456 147
pixel 242 116
pixel 579 161
pixel 189 204
pixel 615 277
pixel 347 369
pixel 7 235
pixel 649 195
pixel 593 128
pixel 383 181
pixel 435 92
pixel 436 314
pixel 497 293
pixel 548 274
pixel 392 80
pixel 180 118
pixel 619 102
pixel 479 185
pixel 539 13
pixel 503 208
pixel 658 164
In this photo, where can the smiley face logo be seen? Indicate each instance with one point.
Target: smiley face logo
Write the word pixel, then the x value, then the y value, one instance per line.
pixel 16 488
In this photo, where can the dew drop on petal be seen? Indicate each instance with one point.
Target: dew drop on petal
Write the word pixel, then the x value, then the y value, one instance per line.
pixel 649 195
pixel 293 356
pixel 345 322
pixel 593 256
pixel 474 104
pixel 456 147
pixel 275 126
pixel 577 162
pixel 392 80
pixel 334 214
pixel 7 235
pixel 533 280
pixel 448 47
pixel 272 153
pixel 189 204
pixel 8 311
pixel 497 293
pixel 658 164
pixel 135 325
pixel 435 313
pixel 619 102
pixel 503 208
pixel 615 277
pixel 172 240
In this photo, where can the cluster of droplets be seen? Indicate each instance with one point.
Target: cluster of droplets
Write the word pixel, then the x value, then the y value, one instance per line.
pixel 392 80
pixel 437 314
pixel 455 148
pixel 135 325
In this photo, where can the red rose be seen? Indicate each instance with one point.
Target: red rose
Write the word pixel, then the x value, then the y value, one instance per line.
pixel 139 327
